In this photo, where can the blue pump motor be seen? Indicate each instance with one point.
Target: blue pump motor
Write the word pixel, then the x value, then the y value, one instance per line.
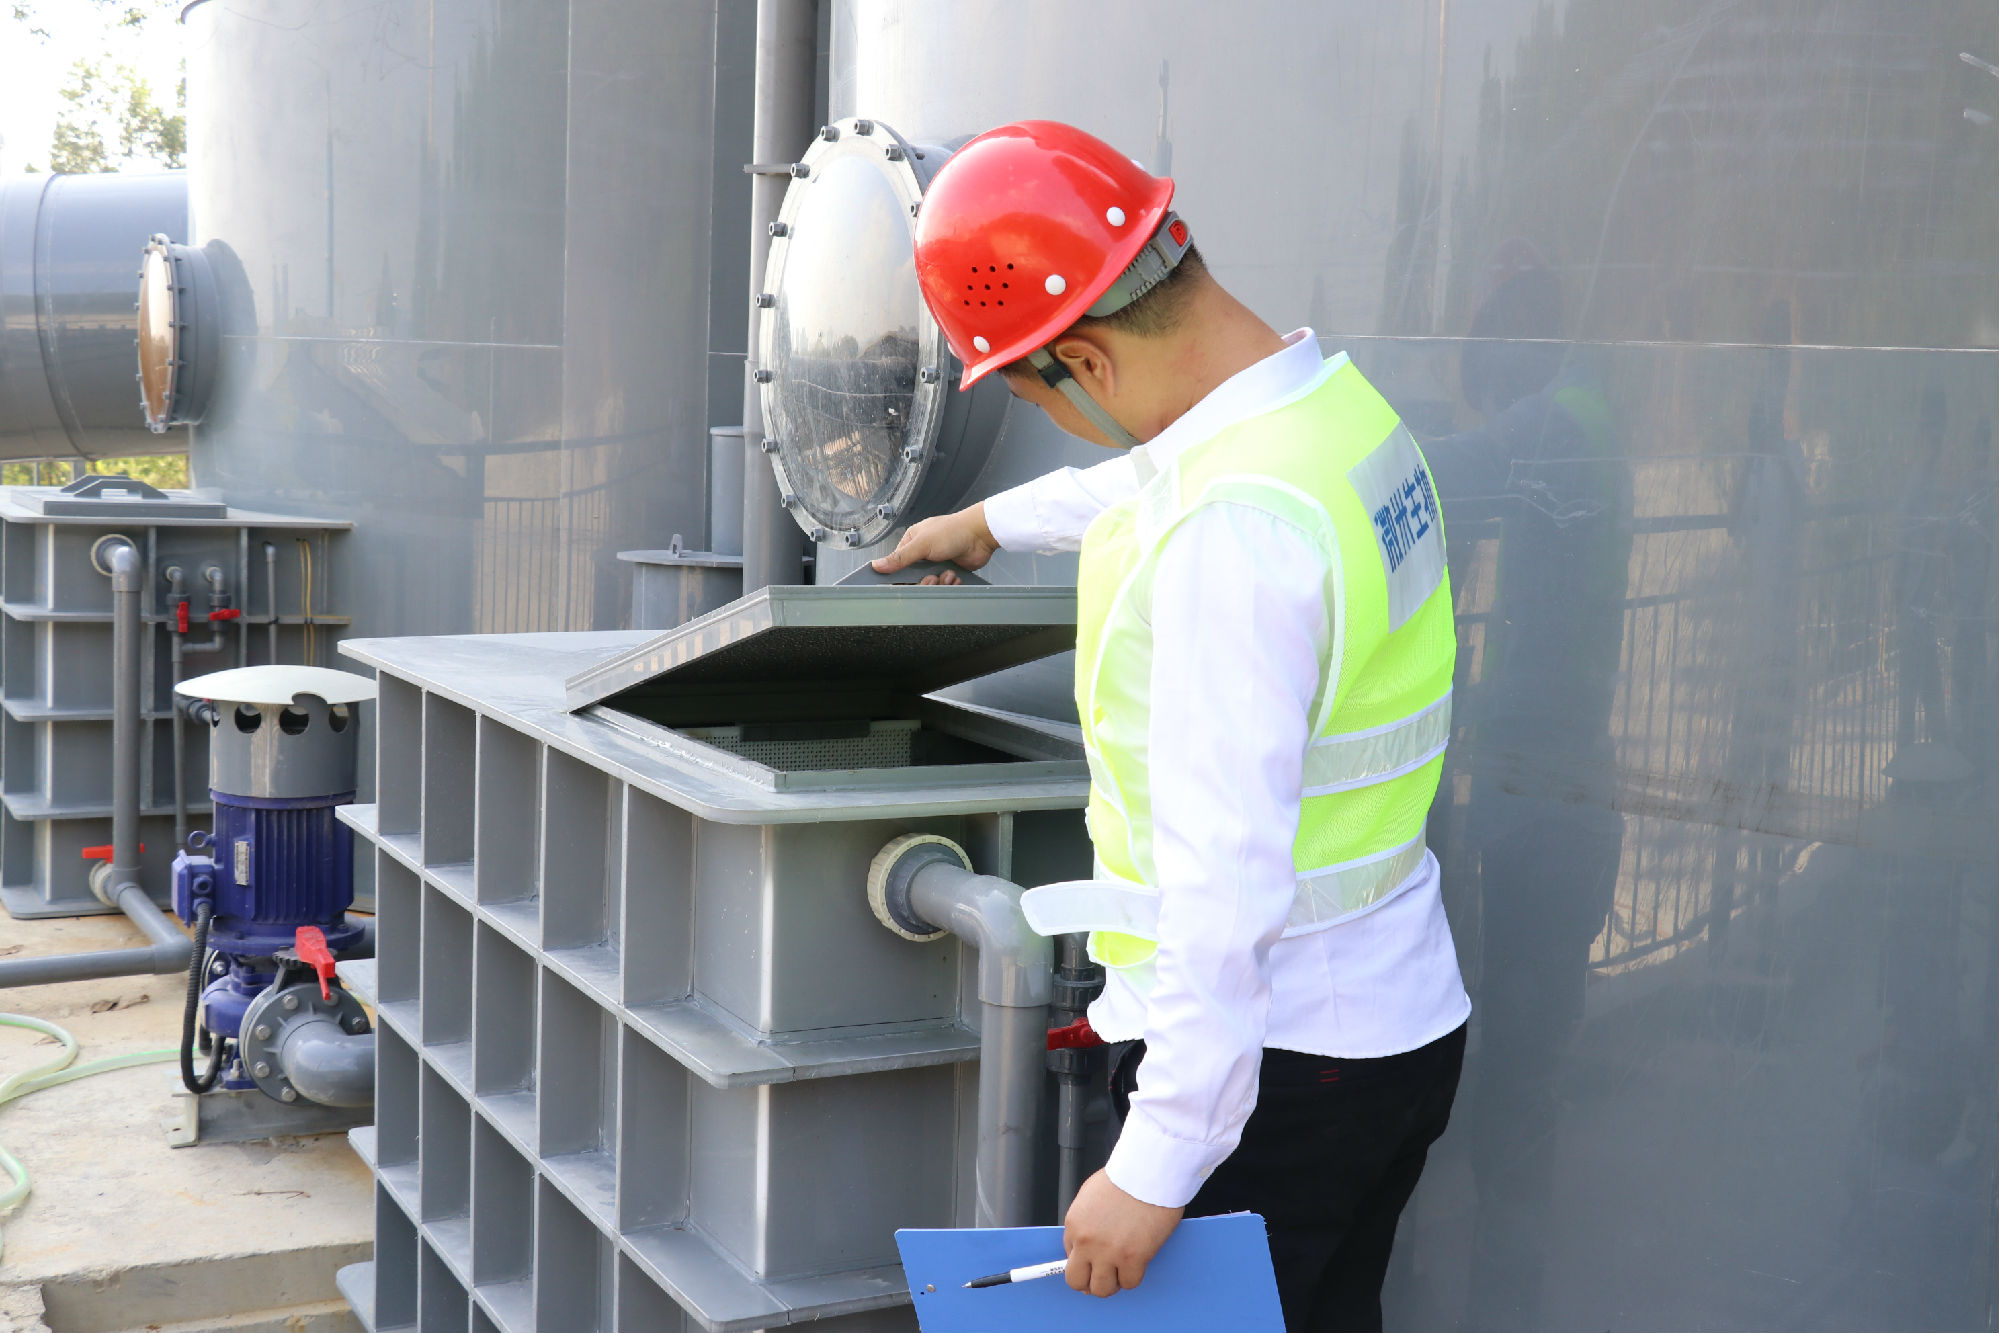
pixel 282 759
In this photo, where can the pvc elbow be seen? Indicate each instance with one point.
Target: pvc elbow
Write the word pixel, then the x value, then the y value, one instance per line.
pixel 1015 964
pixel 329 1066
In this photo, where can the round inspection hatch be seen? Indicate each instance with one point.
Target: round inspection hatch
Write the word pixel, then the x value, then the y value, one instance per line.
pixel 177 334
pixel 863 422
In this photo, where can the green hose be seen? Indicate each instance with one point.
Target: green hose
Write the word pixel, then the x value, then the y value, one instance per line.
pixel 56 1071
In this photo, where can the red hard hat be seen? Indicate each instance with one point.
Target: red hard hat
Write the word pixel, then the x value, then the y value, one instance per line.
pixel 1021 232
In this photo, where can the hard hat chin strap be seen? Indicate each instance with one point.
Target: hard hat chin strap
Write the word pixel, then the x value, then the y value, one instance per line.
pixel 1057 377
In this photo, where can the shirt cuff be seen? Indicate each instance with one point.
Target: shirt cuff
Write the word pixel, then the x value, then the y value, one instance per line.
pixel 1154 1167
pixel 1012 519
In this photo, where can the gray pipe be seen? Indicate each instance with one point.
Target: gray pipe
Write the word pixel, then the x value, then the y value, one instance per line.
pixel 122 563
pixel 165 954
pixel 1014 985
pixel 787 61
pixel 69 260
pixel 175 591
pixel 328 1065
pixel 1076 980
pixel 270 596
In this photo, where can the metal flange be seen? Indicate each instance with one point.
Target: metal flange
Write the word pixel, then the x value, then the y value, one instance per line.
pixel 272 1016
pixel 892 871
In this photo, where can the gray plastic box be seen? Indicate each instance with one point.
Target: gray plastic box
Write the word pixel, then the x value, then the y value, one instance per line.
pixel 648 1061
pixel 55 673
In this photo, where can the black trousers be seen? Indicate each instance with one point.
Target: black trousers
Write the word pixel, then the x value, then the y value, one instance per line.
pixel 1329 1157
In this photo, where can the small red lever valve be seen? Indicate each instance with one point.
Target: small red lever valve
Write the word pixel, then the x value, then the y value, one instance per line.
pixel 310 942
pixel 102 852
pixel 1077 1036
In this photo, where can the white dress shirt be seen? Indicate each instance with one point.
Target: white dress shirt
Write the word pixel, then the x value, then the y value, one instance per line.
pixel 1239 627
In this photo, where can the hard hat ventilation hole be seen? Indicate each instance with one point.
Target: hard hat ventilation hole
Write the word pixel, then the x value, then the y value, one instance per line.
pixel 1009 268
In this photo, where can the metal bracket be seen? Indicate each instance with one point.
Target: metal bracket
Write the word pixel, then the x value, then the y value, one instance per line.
pixel 248 1116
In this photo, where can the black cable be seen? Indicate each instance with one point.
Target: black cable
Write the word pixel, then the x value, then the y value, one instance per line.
pixel 197 971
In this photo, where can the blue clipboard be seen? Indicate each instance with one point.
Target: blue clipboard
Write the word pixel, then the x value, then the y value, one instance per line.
pixel 1212 1273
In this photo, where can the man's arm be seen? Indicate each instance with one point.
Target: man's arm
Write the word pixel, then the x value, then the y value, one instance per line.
pixel 1239 624
pixel 1049 513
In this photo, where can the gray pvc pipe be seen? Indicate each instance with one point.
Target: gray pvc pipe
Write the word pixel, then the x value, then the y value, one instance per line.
pixel 125 588
pixel 328 1065
pixel 1069 1089
pixel 166 952
pixel 787 65
pixel 1015 967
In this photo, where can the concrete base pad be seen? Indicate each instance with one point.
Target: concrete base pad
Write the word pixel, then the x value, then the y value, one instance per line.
pixel 122 1231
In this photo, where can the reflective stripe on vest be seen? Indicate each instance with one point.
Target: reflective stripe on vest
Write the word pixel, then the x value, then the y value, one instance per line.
pixel 1335 464
pixel 1354 759
pixel 1109 906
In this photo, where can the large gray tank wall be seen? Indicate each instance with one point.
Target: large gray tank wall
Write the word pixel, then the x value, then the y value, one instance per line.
pixel 69 286
pixel 466 249
pixel 1696 310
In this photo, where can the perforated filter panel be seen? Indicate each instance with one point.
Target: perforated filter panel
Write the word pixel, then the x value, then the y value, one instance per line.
pixel 797 748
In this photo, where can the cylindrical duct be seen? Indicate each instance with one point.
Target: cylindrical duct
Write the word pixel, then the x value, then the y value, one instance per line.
pixel 773 547
pixel 69 269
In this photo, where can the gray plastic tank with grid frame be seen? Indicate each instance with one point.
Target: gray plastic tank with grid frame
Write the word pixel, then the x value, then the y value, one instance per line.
pixel 647 1059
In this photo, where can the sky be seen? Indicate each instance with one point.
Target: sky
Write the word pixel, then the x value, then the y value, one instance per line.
pixel 33 71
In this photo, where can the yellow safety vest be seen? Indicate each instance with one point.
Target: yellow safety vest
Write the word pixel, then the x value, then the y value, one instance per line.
pixel 1336 464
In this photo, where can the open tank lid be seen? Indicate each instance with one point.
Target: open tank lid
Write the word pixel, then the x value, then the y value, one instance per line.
pixel 912 639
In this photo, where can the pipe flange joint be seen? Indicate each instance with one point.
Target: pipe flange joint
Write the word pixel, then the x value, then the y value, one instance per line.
pixel 269 1021
pixel 894 869
pixel 104 551
pixel 100 883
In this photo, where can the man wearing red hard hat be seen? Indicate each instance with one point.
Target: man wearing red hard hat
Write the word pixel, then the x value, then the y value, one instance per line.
pixel 1263 669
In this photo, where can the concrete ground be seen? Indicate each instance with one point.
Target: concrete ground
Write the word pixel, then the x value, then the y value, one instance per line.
pixel 124 1233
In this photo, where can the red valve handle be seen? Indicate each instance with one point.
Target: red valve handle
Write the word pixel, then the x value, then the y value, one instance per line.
pixel 1077 1036
pixel 102 852
pixel 226 613
pixel 310 943
pixel 180 616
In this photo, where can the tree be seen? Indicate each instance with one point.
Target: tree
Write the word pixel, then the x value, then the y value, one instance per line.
pixel 121 104
pixel 108 119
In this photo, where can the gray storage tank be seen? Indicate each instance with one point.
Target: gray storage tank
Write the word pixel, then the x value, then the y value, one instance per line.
pixel 1696 311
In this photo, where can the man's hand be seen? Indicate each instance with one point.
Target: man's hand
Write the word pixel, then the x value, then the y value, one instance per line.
pixel 961 538
pixel 1110 1237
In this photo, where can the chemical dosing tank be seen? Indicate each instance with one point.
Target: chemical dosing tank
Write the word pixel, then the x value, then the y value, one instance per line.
pixel 70 249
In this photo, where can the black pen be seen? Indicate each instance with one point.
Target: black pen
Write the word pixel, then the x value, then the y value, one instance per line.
pixel 1026 1274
